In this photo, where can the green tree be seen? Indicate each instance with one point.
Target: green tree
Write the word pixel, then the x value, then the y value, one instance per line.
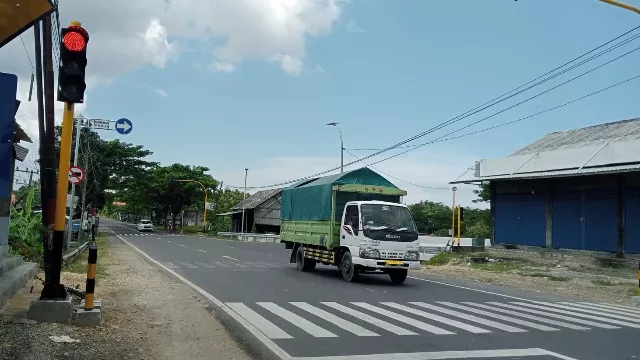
pixel 110 165
pixel 483 193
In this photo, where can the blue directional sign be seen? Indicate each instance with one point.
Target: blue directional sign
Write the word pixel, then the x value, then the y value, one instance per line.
pixel 124 126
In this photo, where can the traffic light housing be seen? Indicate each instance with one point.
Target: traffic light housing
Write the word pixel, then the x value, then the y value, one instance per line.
pixel 73 61
pixel 461 213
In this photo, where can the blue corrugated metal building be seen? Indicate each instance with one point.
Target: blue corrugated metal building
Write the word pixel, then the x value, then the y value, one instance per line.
pixel 576 189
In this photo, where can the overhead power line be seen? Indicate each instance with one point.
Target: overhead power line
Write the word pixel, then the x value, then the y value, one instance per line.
pixel 443 137
pixel 397 178
pixel 491 103
pixel 446 138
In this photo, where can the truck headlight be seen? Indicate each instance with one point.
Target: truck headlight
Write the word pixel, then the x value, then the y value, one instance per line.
pixel 369 253
pixel 412 255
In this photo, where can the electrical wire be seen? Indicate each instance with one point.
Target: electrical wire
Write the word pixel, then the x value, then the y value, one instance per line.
pixel 444 138
pixel 440 126
pixel 393 177
pixel 33 68
pixel 527 117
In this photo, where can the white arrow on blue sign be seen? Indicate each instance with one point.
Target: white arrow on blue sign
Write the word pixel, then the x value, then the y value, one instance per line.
pixel 124 126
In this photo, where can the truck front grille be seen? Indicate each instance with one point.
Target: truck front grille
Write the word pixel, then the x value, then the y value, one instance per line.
pixel 392 254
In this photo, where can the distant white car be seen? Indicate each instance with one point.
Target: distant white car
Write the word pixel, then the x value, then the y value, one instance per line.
pixel 145 225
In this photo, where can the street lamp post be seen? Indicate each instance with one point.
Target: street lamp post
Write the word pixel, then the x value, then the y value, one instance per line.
pixel 341 146
pixel 244 197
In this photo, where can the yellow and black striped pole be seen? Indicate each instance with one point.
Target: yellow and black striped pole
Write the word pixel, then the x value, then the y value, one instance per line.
pixel 91 278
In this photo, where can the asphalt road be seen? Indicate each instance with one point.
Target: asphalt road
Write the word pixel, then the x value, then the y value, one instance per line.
pixel 318 315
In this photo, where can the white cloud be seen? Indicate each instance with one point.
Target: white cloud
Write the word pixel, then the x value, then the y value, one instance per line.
pixel 353 27
pixel 319 70
pixel 149 33
pixel 218 66
pixel 433 174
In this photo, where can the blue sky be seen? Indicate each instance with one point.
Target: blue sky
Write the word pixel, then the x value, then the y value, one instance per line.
pixel 412 65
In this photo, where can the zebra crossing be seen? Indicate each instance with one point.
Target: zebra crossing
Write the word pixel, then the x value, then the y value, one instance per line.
pixel 327 319
pixel 223 265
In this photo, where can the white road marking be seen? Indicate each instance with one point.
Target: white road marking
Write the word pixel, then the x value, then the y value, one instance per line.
pixel 557 316
pixel 404 319
pixel 264 325
pixel 446 355
pixel 297 320
pixel 451 322
pixel 606 310
pixel 204 251
pixel 178 244
pixel 335 320
pixel 369 319
pixel 171 265
pixel 468 288
pixel 188 265
pixel 592 311
pixel 260 336
pixel 229 257
pixel 586 316
pixel 614 307
pixel 498 316
pixel 482 321
pixel 204 264
pixel 528 316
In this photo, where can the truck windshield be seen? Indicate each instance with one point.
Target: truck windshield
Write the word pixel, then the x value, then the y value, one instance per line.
pixel 387 217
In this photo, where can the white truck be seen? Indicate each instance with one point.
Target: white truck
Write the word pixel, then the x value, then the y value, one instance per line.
pixel 354 221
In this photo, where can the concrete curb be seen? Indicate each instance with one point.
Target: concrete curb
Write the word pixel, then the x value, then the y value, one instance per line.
pixel 255 348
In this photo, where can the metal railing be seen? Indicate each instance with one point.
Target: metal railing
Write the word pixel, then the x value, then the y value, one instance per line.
pixel 250 237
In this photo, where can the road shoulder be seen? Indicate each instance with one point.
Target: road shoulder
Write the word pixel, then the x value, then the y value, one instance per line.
pixel 147 315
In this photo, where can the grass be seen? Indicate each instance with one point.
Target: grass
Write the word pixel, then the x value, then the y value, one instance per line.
pixel 79 265
pixel 603 282
pixel 498 266
pixel 442 258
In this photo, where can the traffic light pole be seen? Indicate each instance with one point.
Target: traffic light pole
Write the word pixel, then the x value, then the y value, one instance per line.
pixel 61 199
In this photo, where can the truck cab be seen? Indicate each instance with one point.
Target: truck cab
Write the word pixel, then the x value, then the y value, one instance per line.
pixel 378 237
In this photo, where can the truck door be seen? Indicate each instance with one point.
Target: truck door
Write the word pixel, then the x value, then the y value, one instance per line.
pixel 350 226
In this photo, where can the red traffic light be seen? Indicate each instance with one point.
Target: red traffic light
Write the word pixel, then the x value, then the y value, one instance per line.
pixel 76 39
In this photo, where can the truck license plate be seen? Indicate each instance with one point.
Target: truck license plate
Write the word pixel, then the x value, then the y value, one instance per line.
pixel 394 262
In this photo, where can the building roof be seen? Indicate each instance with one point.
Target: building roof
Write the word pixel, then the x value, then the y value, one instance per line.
pixel 19 134
pixel 21 152
pixel 256 199
pixel 588 136
pixel 606 148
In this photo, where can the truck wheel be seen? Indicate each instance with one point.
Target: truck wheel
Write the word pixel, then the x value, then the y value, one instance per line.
pixel 348 270
pixel 302 263
pixel 398 276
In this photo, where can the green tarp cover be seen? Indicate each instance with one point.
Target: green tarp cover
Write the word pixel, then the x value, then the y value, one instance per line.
pixel 311 200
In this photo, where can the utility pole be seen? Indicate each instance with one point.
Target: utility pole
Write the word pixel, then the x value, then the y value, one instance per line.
pixel 52 288
pixel 84 192
pixel 244 197
pixel 73 188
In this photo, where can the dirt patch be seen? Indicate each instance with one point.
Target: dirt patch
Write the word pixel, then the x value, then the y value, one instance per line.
pixel 572 277
pixel 147 315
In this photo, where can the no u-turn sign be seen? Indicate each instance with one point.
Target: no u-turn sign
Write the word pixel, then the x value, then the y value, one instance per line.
pixel 76 175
